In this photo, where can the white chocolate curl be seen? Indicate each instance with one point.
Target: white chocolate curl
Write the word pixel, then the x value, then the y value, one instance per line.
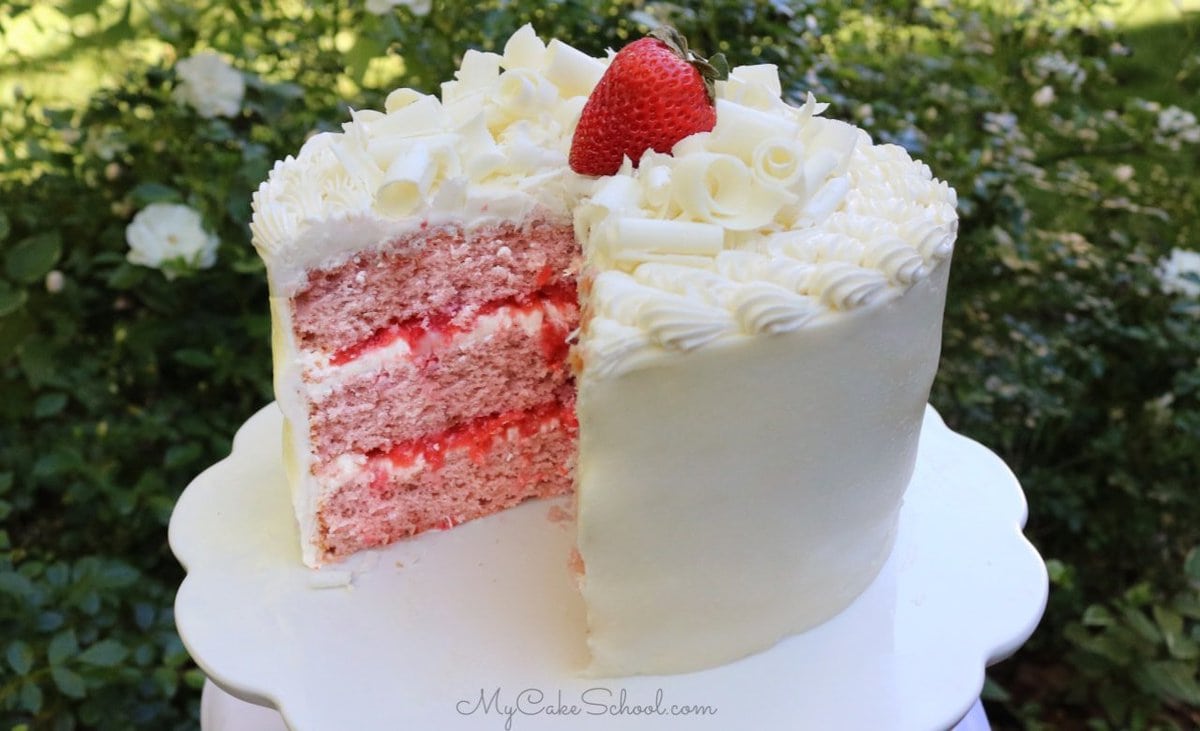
pixel 718 188
pixel 740 128
pixel 406 183
pixel 778 162
pixel 630 240
pixel 574 73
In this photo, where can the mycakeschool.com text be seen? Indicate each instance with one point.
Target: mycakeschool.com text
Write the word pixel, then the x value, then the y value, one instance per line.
pixel 598 702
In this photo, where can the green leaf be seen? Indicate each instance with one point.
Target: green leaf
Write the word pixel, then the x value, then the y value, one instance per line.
pixel 31 697
pixel 11 299
pixel 1191 565
pixel 20 657
pixel 13 332
pixel 194 678
pixel 59 461
pixel 38 362
pixel 33 257
pixel 720 64
pixel 1097 616
pixel 126 276
pixel 167 681
pixel 1188 605
pixel 104 654
pixel 63 647
pixel 80 7
pixel 57 574
pixel 119 31
pixel 15 584
pixel 1173 680
pixel 1168 621
pixel 144 194
pixel 115 575
pixel 993 691
pixel 143 615
pixel 68 681
pixel 1057 571
pixel 248 265
pixel 49 404
pixel 5 227
pixel 49 621
pixel 1141 624
pixel 1178 644
pixel 195 358
pixel 360 54
pixel 182 454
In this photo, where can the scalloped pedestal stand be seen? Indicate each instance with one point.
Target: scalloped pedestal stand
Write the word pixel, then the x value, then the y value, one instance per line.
pixel 480 627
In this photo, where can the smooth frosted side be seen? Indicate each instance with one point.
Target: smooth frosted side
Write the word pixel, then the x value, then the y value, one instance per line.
pixel 739 494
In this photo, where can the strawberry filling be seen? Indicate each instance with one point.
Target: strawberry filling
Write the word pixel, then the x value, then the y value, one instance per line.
pixel 478 436
pixel 425 334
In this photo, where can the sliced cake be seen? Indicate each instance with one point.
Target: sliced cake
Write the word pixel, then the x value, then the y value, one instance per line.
pixel 724 346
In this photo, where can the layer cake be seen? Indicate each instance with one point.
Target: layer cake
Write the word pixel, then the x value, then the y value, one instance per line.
pixel 724 349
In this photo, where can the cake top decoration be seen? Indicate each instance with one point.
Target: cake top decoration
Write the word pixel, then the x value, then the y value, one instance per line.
pixel 775 218
pixel 655 92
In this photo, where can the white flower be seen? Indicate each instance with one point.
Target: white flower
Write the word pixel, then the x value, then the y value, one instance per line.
pixel 1177 125
pixel 1123 173
pixel 1044 96
pixel 1003 124
pixel 210 85
pixel 55 281
pixel 170 237
pixel 1180 273
pixel 1056 65
pixel 380 7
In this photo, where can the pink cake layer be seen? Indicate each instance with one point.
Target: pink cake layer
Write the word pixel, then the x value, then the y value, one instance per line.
pixel 443 480
pixel 405 399
pixel 445 269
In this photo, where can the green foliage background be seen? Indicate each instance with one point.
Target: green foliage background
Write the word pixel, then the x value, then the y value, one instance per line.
pixel 1062 350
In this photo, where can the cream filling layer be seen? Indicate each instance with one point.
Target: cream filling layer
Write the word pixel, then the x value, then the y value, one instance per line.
pixel 324 378
pixel 345 468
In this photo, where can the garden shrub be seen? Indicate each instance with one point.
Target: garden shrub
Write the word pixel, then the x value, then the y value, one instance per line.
pixel 1072 339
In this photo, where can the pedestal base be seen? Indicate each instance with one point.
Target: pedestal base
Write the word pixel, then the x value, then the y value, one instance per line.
pixel 424 633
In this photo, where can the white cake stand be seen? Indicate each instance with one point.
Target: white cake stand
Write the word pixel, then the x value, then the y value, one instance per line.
pixel 426 633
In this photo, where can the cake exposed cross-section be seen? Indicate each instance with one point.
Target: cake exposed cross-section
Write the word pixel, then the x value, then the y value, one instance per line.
pixel 434 369
pixel 724 349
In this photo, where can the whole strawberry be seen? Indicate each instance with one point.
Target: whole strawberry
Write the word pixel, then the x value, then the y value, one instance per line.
pixel 654 93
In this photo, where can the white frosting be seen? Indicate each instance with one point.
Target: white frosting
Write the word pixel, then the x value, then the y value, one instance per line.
pixel 830 221
pixel 751 490
pixel 291 395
